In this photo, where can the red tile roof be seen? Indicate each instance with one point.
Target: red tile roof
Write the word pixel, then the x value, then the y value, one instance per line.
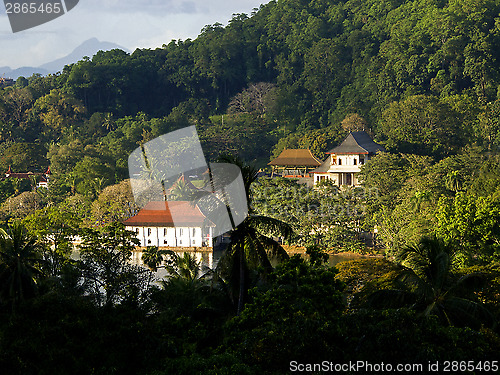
pixel 168 214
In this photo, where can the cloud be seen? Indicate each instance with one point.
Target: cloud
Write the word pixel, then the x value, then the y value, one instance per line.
pixel 164 7
pixel 129 23
pixel 155 7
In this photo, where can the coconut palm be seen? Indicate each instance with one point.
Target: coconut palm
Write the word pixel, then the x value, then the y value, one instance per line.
pixel 454 181
pixel 184 267
pixel 20 258
pixel 250 247
pixel 153 256
pixel 188 290
pixel 427 286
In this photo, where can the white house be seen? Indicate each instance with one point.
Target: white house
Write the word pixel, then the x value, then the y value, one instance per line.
pixel 344 161
pixel 171 224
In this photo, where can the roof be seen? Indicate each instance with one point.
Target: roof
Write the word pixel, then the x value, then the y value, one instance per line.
pixel 168 214
pixel 325 166
pixel 357 143
pixel 296 157
pixel 25 175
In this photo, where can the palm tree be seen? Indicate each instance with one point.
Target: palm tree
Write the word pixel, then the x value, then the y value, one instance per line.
pixel 20 258
pixel 420 197
pixel 249 248
pixel 188 289
pixel 98 184
pixel 454 181
pixel 181 190
pixel 185 267
pixel 153 256
pixel 428 286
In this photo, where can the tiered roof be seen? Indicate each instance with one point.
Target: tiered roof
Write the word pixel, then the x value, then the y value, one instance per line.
pixel 42 177
pixel 357 143
pixel 296 158
pixel 323 168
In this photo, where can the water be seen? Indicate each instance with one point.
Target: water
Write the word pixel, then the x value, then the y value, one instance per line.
pixel 205 258
pixel 210 259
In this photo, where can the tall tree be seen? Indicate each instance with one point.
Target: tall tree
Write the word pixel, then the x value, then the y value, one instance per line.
pixel 20 260
pixel 421 125
pixel 250 246
pixel 428 286
pixel 105 266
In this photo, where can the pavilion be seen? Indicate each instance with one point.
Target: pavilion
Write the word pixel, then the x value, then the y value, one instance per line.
pixel 294 163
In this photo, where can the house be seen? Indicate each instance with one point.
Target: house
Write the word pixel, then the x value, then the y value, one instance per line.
pixel 5 82
pixel 344 161
pixel 40 179
pixel 294 163
pixel 171 224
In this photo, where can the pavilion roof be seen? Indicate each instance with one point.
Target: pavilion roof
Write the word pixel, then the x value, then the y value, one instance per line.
pixel 296 158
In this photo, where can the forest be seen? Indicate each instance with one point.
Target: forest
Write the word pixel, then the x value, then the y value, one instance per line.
pixel 422 77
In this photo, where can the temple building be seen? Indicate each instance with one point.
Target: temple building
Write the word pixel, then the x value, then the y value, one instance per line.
pixel 39 179
pixel 343 163
pixel 171 224
pixel 294 163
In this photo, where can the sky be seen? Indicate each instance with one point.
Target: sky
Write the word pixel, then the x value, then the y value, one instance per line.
pixel 129 23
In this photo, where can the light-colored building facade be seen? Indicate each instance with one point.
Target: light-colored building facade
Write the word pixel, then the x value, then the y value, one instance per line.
pixel 344 161
pixel 171 224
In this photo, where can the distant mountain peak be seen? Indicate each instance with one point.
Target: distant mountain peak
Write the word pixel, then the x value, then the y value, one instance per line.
pixel 88 48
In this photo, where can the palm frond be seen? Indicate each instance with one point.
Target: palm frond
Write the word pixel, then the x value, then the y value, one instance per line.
pixel 256 253
pixel 464 312
pixel 265 224
pixel 273 249
pixel 391 298
pixel 411 282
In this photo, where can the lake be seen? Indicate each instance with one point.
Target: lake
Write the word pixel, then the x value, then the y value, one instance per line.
pixel 210 259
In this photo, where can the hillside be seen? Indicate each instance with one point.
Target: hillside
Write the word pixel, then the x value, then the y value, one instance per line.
pixel 307 65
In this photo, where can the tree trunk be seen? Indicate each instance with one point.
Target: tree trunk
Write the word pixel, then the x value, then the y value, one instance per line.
pixel 241 297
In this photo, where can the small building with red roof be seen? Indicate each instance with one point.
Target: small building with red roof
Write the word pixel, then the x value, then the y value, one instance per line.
pixel 171 224
pixel 41 179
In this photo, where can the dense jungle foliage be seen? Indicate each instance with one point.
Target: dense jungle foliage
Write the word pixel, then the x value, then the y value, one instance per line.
pixel 421 76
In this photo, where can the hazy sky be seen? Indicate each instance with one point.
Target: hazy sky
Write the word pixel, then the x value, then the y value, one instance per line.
pixel 129 23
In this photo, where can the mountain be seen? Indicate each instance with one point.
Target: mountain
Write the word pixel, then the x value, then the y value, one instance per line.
pixel 88 48
pixel 25 71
